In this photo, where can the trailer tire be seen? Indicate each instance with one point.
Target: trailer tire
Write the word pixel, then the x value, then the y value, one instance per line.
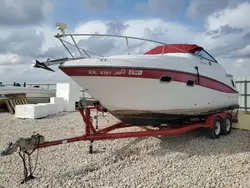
pixel 214 132
pixel 227 125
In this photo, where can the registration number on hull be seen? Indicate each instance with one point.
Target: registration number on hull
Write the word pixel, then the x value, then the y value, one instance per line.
pixel 135 72
pixel 115 72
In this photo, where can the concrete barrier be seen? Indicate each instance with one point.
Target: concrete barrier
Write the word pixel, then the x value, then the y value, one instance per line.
pixel 243 121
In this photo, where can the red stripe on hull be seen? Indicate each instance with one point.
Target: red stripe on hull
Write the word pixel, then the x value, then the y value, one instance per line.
pixel 148 73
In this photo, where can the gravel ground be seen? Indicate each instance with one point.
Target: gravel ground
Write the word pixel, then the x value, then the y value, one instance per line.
pixel 188 160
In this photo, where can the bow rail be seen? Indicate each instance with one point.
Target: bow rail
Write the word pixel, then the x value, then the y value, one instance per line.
pixel 62 36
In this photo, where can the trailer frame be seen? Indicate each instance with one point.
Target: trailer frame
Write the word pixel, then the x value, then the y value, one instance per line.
pixel 92 133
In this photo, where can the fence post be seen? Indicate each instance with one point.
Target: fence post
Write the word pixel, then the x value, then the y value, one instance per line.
pixel 245 94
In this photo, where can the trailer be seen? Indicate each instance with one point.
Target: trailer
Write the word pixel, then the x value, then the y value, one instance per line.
pixel 216 124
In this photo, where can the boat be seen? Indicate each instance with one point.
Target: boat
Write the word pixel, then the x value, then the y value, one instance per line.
pixel 33 94
pixel 169 83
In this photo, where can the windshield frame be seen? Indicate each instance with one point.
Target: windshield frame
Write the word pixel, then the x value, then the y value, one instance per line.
pixel 212 58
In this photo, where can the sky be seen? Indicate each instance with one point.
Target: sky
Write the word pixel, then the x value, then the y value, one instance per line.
pixel 27 29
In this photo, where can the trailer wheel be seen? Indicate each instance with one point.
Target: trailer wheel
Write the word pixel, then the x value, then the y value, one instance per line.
pixel 214 132
pixel 227 125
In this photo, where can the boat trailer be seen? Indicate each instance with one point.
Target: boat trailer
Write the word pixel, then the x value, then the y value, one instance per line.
pixel 216 124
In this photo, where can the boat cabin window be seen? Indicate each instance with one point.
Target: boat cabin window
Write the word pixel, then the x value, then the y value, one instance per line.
pixel 190 83
pixel 166 79
pixel 205 55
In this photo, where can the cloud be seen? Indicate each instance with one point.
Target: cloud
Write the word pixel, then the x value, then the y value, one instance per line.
pixel 95 26
pixel 96 5
pixel 25 73
pixel 235 17
pixel 241 66
pixel 220 42
pixel 116 28
pixel 24 12
pixel 33 42
pixel 160 30
pixel 223 30
pixel 168 8
pixel 53 52
pixel 23 37
pixel 200 9
pixel 244 52
pixel 228 36
pixel 231 45
pixel 25 41
pixel 228 30
pixel 100 45
pixel 155 29
pixel 11 59
pixel 226 40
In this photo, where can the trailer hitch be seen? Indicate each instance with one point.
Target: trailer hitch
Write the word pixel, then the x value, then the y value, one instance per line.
pixel 25 147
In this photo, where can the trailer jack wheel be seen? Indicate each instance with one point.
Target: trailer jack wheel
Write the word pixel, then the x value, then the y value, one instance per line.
pixel 227 125
pixel 214 132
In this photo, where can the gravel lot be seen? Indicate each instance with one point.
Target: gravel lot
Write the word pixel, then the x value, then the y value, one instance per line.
pixel 188 160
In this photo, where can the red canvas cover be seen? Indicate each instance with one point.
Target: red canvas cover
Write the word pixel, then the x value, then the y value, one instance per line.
pixel 175 48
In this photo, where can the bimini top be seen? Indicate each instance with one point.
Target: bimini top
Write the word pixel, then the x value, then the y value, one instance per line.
pixel 175 48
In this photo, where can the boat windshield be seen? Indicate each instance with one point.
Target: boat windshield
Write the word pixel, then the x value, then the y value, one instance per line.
pixel 205 55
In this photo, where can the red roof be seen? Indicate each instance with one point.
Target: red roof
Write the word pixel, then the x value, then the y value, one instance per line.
pixel 175 48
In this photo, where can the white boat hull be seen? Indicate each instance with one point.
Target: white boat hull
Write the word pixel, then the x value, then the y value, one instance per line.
pixel 132 90
pixel 151 96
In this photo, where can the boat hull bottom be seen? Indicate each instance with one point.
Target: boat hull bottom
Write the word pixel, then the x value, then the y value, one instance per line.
pixel 140 118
